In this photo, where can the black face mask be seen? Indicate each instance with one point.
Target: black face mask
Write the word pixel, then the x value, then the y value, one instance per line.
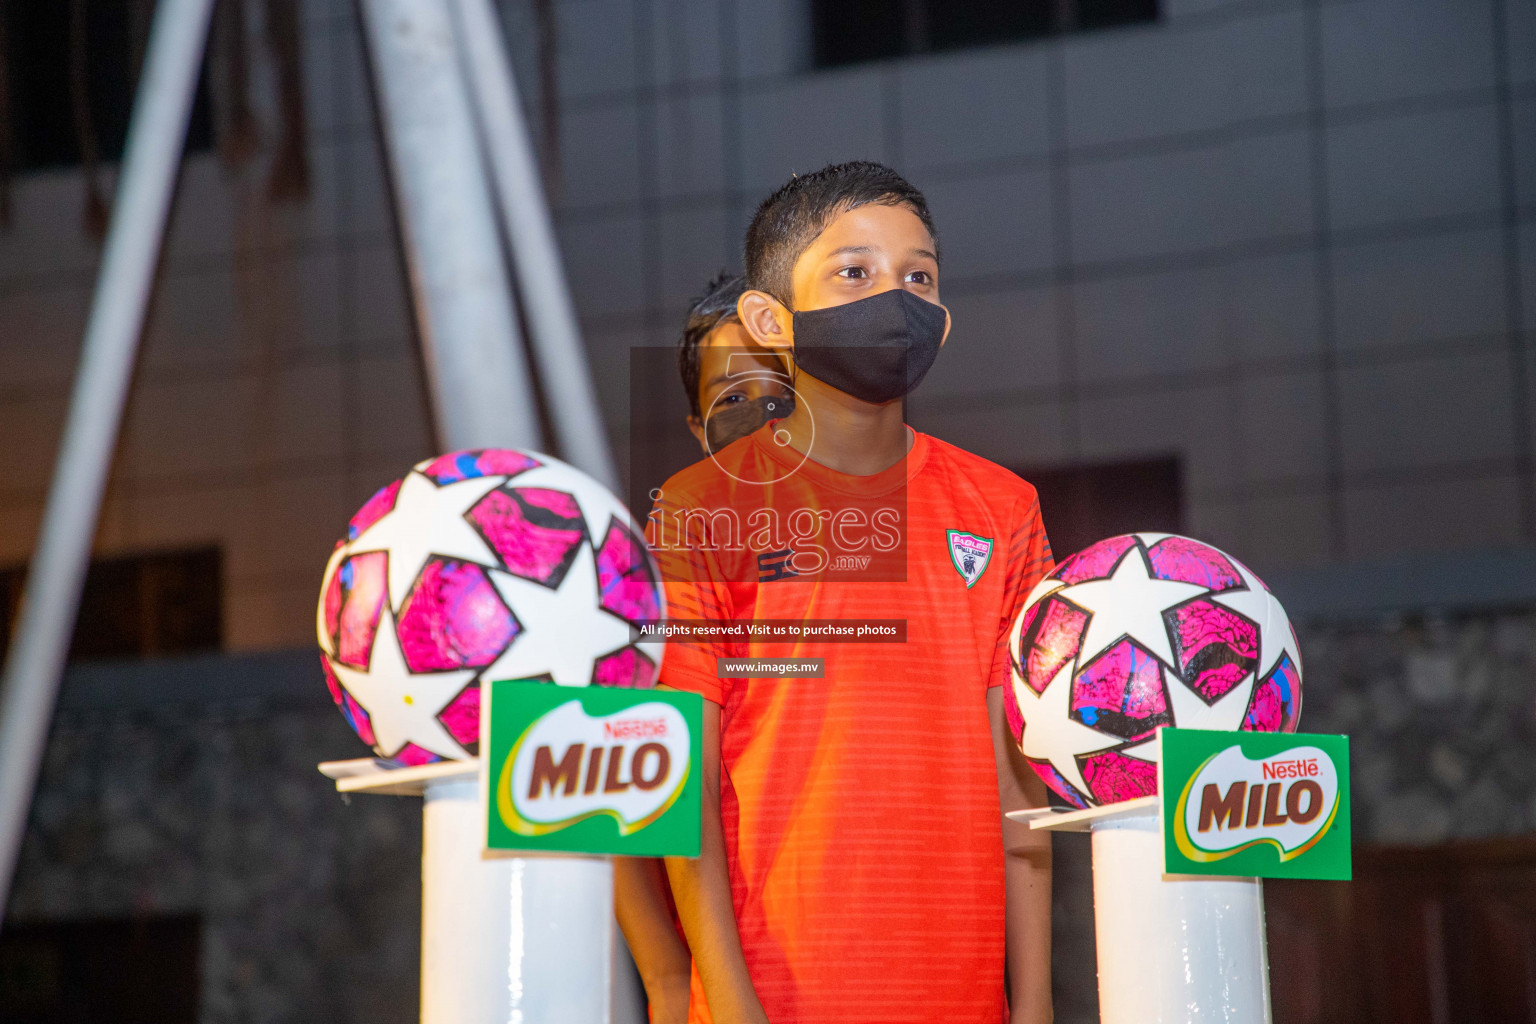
pixel 733 422
pixel 876 349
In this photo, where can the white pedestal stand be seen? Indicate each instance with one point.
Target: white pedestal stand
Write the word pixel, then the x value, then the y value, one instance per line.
pixel 518 940
pixel 1172 949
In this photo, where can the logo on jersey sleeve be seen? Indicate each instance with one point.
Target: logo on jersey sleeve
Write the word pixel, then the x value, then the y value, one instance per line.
pixel 970 554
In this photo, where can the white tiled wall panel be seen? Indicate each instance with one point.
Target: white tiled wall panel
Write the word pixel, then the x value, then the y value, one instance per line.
pixel 1269 307
pixel 1433 515
pixel 1119 319
pixel 40 339
pixel 1165 81
pixel 1154 245
pixel 1526 239
pixel 1441 163
pixel 1286 530
pixel 805 123
pixel 685 40
pixel 1381 50
pixel 973 108
pixel 1520 39
pixel 690 144
pixel 1282 426
pixel 597 47
pixel 1523 139
pixel 1198 422
pixel 1426 412
pixel 773 37
pixel 1000 342
pixel 604 262
pixel 1417 289
pixel 695 244
pixel 993 224
pixel 1252 189
pixel 600 154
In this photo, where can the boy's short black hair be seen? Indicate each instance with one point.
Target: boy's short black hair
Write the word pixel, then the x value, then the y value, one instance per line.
pixel 791 219
pixel 716 305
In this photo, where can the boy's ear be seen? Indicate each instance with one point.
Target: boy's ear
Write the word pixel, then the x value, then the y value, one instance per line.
pixel 767 320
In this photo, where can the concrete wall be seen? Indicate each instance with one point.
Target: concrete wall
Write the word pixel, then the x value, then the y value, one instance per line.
pixel 157 800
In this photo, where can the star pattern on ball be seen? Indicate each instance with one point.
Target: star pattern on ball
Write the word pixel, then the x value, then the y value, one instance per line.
pixel 1131 604
pixel 1016 635
pixel 1190 712
pixel 412 716
pixel 428 519
pixel 548 614
pixel 1258 604
pixel 596 504
pixel 1050 734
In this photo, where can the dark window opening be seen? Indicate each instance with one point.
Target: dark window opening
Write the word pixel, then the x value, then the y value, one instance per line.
pixel 138 606
pixel 125 971
pixel 850 31
pixel 1082 505
pixel 44 124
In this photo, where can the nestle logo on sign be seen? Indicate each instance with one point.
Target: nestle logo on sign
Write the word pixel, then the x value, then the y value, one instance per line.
pixel 635 728
pixel 1290 769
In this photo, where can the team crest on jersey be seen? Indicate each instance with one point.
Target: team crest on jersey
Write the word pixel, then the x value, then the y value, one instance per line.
pixel 970 554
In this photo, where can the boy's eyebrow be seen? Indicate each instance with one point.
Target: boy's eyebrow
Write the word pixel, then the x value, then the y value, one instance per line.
pixel 728 377
pixel 864 250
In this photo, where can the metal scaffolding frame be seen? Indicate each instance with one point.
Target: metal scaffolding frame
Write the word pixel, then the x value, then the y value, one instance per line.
pixel 35 662
pixel 450 114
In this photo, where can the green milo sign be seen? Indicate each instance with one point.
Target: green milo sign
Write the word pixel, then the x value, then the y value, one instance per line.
pixel 590 770
pixel 1268 805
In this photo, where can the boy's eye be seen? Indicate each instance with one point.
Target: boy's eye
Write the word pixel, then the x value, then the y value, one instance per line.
pixel 853 272
pixel 731 399
pixel 920 277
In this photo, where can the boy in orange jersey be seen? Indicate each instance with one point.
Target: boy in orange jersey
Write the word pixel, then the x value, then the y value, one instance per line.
pixel 855 865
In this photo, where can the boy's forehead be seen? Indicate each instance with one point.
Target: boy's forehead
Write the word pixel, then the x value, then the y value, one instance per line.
pixel 876 227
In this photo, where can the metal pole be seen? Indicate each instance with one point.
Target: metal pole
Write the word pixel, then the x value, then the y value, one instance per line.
pixel 36 660
pixel 555 335
pixel 525 939
pixel 482 395
pixel 556 338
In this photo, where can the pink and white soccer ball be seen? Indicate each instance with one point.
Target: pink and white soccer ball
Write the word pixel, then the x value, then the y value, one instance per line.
pixel 476 566
pixel 1135 633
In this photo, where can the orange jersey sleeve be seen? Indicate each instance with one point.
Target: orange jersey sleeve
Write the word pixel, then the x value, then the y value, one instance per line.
pixel 1029 562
